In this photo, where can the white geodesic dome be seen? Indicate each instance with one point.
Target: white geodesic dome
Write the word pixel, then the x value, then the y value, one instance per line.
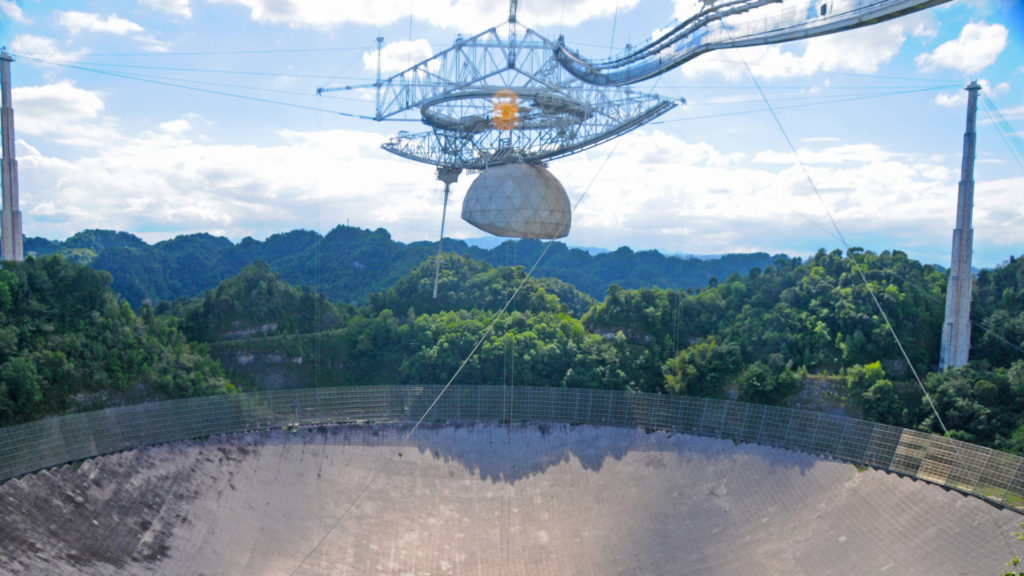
pixel 519 201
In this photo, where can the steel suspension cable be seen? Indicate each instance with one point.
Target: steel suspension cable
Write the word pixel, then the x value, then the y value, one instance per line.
pixel 842 238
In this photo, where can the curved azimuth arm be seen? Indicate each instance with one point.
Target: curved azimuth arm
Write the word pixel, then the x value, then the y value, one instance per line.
pixel 733 24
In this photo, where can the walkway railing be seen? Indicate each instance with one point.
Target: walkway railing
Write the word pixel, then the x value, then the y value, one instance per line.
pixel 989 474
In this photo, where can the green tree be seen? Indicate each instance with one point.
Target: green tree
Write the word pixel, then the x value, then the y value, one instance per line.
pixel 768 382
pixel 882 404
pixel 702 369
pixel 67 343
pixel 861 377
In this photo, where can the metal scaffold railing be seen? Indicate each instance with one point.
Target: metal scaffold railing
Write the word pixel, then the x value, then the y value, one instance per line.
pixel 995 476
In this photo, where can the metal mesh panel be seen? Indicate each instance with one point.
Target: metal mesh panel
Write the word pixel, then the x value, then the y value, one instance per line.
pixel 712 418
pixel 910 451
pixel 691 412
pixel 772 428
pixel 995 476
pixel 734 424
pixel 968 465
pixel 829 435
pixel 937 459
pixel 881 446
pixel 663 411
pixel 802 430
pixel 1014 493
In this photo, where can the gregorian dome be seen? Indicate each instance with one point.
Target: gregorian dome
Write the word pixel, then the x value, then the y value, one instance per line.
pixel 519 201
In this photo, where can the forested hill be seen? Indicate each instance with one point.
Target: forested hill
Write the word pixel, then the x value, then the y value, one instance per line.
pixel 806 334
pixel 67 343
pixel 349 264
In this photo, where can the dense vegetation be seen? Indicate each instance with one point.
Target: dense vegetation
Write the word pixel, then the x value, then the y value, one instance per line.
pixel 811 334
pixel 801 333
pixel 350 264
pixel 406 336
pixel 67 343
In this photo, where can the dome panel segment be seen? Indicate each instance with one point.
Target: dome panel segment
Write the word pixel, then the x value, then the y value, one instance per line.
pixel 518 201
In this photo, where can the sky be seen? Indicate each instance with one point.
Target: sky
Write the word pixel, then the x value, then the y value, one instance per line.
pixel 168 117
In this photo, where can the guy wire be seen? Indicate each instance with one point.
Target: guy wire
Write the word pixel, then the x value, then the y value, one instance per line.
pixel 839 233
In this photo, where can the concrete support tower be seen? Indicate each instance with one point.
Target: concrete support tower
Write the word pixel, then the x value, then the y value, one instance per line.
pixel 10 218
pixel 956 329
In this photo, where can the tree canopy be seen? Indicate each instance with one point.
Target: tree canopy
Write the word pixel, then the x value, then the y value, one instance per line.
pixel 67 343
pixel 790 332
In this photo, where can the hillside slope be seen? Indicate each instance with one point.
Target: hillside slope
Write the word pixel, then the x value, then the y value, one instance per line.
pixel 348 264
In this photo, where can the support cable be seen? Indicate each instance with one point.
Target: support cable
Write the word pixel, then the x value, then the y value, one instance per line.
pixel 809 104
pixel 1006 132
pixel 194 88
pixel 615 21
pixel 440 240
pixel 839 234
pixel 479 342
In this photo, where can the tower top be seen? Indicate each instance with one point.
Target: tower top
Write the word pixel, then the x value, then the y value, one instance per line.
pixel 973 86
pixel 5 56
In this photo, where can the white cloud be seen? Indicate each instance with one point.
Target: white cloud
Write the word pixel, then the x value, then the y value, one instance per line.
pixel 44 48
pixel 468 16
pixel 704 202
pixel 181 8
pixel 12 11
pixel 958 99
pixel 951 99
pixel 925 29
pixel 1015 113
pixel 841 154
pixel 656 191
pixel 160 184
pixel 862 51
pixel 976 48
pixel 397 56
pixel 571 12
pixel 76 22
pixel 151 43
pixel 61 111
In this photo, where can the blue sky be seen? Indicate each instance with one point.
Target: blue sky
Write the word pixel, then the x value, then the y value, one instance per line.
pixel 164 117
